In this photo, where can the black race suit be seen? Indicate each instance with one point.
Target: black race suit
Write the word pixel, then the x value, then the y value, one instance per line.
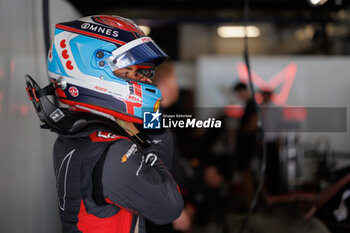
pixel 105 184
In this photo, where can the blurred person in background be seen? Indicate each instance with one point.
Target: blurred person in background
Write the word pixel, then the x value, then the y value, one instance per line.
pixel 247 144
pixel 166 80
pixel 272 123
pixel 210 196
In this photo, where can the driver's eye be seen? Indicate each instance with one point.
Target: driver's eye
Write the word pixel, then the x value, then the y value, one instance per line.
pixel 133 72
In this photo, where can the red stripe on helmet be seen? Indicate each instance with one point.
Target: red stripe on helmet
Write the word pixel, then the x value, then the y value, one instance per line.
pixel 61 93
pixel 118 23
pixel 137 88
pixel 104 110
pixel 89 34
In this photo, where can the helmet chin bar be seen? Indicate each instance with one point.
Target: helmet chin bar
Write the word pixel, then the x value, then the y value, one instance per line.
pixel 67 122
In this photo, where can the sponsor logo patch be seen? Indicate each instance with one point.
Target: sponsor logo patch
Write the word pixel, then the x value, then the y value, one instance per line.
pixel 73 91
pixel 135 98
pixel 101 136
pixel 99 29
pixel 57 115
pixel 130 152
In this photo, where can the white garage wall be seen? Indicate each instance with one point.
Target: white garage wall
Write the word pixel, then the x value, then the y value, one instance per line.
pixel 319 82
pixel 27 184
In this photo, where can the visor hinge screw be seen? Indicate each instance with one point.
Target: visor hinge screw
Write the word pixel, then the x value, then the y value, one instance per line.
pixel 100 54
pixel 101 63
pixel 61 83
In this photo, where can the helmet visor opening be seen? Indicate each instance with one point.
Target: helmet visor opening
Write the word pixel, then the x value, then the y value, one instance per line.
pixel 141 72
pixel 146 69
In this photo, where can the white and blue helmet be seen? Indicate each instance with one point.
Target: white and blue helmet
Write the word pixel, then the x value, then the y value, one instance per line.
pixel 86 53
